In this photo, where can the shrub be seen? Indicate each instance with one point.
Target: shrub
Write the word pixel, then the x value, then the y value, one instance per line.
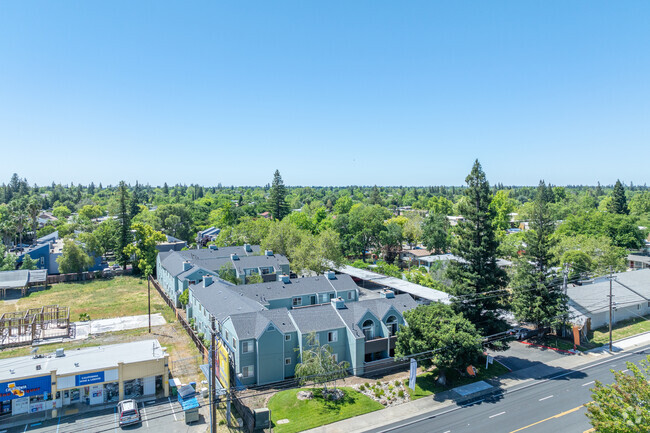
pixel 222 422
pixel 398 383
pixel 84 317
pixel 378 383
pixel 362 387
pixel 400 394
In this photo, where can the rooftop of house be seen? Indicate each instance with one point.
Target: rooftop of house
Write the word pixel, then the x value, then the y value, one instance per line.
pixel 252 325
pixel 213 258
pixel 354 311
pixel 592 298
pixel 265 292
pixel 417 252
pixel 20 278
pixel 638 258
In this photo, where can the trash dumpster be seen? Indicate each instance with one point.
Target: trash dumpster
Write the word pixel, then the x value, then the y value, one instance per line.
pixel 189 403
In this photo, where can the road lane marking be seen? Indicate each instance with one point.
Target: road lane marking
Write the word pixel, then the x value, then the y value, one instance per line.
pixel 145 415
pixel 172 406
pixel 588 383
pixel 115 417
pixel 552 417
pixel 545 398
pixel 58 423
pixel 497 414
pixel 26 425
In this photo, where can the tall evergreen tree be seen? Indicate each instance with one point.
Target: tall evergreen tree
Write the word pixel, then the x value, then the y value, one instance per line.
pixel 537 296
pixel 619 202
pixel 279 206
pixel 375 198
pixel 476 276
pixel 125 225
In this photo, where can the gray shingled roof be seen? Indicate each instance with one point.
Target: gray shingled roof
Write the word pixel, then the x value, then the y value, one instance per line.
pixel 252 325
pixel 354 311
pixel 265 292
pixel 221 300
pixel 247 262
pixel 592 298
pixel 214 260
pixel 314 319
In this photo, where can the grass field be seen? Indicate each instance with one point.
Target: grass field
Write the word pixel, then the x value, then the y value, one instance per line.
pixel 623 329
pixel 426 384
pixel 100 299
pixel 306 414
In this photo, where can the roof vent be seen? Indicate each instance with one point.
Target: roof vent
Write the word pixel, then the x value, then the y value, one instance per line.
pixel 234 256
pixel 76 364
pixel 388 294
pixel 338 303
pixel 207 280
pixel 60 352
pixel 331 275
pixel 38 366
pixel 248 248
pixel 284 278
pixel 268 252
pixel 213 247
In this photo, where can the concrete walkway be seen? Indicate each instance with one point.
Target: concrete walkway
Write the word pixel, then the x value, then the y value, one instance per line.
pixel 515 379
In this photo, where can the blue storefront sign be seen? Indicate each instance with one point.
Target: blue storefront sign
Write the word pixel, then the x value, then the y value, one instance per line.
pixel 89 378
pixel 25 388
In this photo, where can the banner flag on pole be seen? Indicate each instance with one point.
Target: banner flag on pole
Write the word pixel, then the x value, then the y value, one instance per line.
pixel 413 373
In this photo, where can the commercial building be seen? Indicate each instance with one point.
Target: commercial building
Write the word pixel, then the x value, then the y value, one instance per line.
pixel 89 376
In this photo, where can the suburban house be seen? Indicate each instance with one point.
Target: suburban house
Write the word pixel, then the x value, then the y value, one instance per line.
pixel 638 261
pixel 46 218
pixel 171 244
pixel 589 301
pixel 265 326
pixel 47 249
pixel 444 259
pixel 207 235
pixel 413 254
pixel 177 270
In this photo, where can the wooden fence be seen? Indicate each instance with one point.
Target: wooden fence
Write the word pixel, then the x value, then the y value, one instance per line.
pixel 85 276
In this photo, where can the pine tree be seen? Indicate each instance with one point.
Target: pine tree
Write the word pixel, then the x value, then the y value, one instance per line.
pixel 537 296
pixel 279 206
pixel 477 272
pixel 375 198
pixel 125 225
pixel 599 190
pixel 165 189
pixel 619 202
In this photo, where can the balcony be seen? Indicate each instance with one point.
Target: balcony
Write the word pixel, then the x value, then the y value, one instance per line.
pixel 380 344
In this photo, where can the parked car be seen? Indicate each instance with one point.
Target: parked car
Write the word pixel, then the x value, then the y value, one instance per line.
pixel 128 412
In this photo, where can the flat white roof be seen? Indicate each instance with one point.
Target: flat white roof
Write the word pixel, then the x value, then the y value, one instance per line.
pixel 397 284
pixel 78 361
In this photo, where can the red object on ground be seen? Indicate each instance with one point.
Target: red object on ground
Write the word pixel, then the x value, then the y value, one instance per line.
pixel 547 347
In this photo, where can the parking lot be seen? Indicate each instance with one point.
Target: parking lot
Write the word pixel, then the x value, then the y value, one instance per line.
pixel 520 356
pixel 163 415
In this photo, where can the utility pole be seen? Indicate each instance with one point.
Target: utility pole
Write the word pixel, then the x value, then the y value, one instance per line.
pixel 149 300
pixel 565 289
pixel 212 369
pixel 610 308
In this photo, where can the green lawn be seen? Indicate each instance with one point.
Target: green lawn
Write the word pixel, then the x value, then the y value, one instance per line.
pixel 625 328
pixel 100 299
pixel 306 414
pixel 425 384
pixel 559 343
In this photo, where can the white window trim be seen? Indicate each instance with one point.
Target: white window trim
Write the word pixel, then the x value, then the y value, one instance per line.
pixel 246 347
pixel 334 336
pixel 296 302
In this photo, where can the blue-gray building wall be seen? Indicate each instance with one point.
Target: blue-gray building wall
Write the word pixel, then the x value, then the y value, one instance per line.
pixel 270 354
pixel 291 353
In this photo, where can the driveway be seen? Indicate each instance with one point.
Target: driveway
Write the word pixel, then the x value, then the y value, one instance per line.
pixel 520 356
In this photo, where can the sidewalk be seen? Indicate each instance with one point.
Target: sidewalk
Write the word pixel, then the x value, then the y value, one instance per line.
pixel 444 399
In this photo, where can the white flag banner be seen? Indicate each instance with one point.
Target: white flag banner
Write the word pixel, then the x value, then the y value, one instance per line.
pixel 413 373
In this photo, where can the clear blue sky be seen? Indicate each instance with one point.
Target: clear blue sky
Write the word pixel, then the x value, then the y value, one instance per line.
pixel 329 92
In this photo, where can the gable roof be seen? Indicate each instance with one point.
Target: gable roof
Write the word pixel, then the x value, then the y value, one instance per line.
pixel 253 325
pixel 315 319
pixel 354 311
pixel 265 292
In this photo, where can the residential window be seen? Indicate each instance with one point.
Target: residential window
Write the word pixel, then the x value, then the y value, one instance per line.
pixel 332 336
pixel 42 261
pixel 247 371
pixel 234 342
pixel 368 329
pixel 331 296
pixel 391 323
pixel 287 361
pixel 288 336
pixel 324 296
pixel 246 347
pixel 349 295
pixel 297 302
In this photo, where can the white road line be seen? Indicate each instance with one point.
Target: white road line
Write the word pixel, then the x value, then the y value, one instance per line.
pixel 145 415
pixel 588 383
pixel 26 425
pixel 448 431
pixel 500 413
pixel 172 406
pixel 545 398
pixel 115 417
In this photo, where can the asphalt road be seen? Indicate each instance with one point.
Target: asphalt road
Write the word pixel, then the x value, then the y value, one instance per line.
pixel 553 405
pixel 159 415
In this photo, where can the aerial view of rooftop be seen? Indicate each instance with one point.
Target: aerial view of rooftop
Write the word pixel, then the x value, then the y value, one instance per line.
pixel 325 217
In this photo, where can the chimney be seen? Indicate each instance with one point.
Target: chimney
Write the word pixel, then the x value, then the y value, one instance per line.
pixel 213 247
pixel 268 252
pixel 331 275
pixel 207 280
pixel 338 303
pixel 284 279
pixel 234 256
pixel 388 294
pixel 186 266
pixel 248 248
